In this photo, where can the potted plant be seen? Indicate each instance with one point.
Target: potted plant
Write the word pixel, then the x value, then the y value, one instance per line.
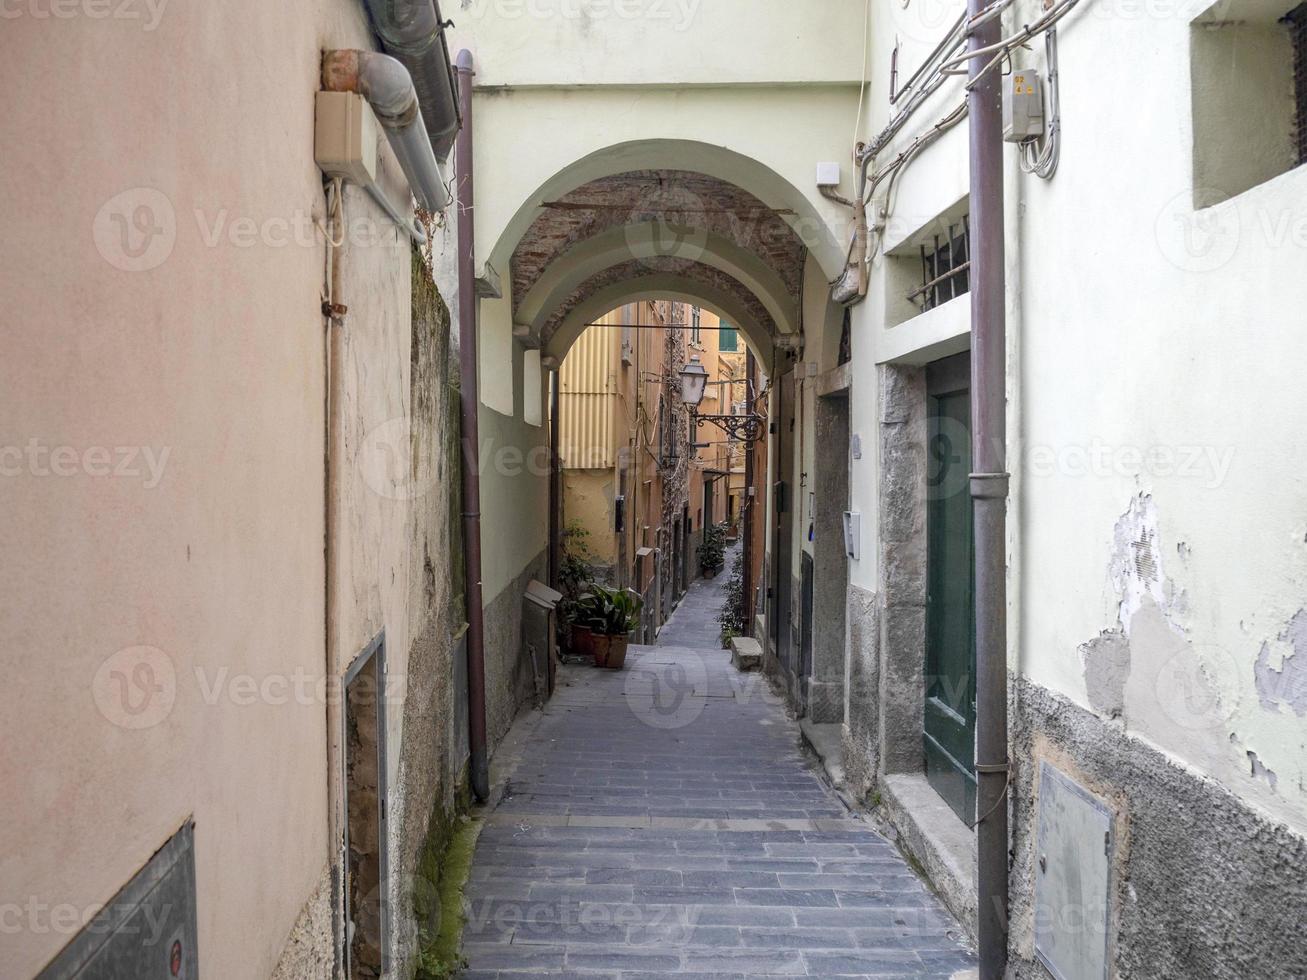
pixel 712 550
pixel 734 615
pixel 611 615
pixel 580 636
pixel 574 581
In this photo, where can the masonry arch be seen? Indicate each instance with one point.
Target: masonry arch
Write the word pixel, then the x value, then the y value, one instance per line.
pixel 811 223
pixel 659 287
pixel 651 244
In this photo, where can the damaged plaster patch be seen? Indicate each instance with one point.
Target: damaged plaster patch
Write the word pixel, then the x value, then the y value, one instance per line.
pixel 1256 768
pixel 1147 670
pixel 1286 684
pixel 1138 581
pixel 1107 665
pixel 1260 771
pixel 1136 568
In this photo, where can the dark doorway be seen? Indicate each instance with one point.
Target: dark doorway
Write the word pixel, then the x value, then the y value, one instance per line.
pixel 823 681
pixel 805 635
pixel 684 570
pixel 367 904
pixel 950 714
pixel 781 590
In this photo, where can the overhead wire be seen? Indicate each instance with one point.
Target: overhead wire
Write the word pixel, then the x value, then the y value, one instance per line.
pixel 945 61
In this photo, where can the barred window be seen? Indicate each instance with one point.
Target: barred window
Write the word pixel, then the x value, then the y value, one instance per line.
pixel 945 267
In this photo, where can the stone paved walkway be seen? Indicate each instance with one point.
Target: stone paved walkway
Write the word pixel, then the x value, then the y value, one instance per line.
pixel 662 821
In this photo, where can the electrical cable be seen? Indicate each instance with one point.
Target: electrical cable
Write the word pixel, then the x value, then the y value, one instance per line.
pixel 1042 160
pixel 866 57
pixel 1033 158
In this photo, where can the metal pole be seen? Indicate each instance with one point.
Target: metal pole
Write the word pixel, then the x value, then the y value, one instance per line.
pixel 555 484
pixel 748 502
pixel 989 486
pixel 469 400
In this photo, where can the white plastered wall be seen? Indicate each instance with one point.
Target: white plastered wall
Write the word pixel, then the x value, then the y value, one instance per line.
pixel 1154 358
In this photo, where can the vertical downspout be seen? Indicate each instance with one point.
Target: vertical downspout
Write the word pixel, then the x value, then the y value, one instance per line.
pixel 748 502
pixel 469 399
pixel 555 484
pixel 335 447
pixel 989 490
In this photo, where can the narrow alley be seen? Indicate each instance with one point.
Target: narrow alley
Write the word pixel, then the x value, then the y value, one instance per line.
pixel 638 488
pixel 664 820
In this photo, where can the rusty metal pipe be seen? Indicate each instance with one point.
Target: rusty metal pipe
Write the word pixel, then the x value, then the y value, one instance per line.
pixel 748 502
pixel 989 486
pixel 387 86
pixel 469 401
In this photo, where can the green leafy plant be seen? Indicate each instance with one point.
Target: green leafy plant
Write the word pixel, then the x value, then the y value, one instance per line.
pixel 574 576
pixel 734 615
pixel 712 550
pixel 610 612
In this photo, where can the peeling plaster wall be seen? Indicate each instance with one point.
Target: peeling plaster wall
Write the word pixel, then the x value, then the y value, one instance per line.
pixel 1161 486
pixel 1157 529
pixel 1202 885
pixel 1157 538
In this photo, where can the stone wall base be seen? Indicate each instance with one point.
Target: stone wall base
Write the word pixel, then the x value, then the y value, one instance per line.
pixel 510 681
pixel 309 953
pixel 1203 886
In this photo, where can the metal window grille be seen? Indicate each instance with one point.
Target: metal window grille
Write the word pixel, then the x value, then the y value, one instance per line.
pixel 1297 22
pixel 945 267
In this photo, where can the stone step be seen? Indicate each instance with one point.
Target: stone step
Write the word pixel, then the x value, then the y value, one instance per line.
pixel 746 653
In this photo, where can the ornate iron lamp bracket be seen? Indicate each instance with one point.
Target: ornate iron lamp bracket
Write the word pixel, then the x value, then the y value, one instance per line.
pixel 746 428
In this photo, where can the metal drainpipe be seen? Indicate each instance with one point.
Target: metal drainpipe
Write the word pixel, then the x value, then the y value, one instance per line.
pixel 748 502
pixel 555 483
pixel 989 490
pixel 335 710
pixel 469 400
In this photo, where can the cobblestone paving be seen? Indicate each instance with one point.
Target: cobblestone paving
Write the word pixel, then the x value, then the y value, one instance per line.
pixel 662 821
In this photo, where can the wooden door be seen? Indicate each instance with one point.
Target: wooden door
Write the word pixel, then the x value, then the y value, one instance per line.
pixel 950 717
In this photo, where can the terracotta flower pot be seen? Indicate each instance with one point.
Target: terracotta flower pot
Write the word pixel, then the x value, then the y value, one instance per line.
pixel 583 640
pixel 610 651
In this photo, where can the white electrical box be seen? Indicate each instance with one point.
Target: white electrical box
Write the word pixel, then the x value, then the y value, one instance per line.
pixel 828 175
pixel 345 137
pixel 1023 106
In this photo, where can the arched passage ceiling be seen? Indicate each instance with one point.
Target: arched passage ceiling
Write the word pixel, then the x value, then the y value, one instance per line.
pixel 676 224
pixel 692 274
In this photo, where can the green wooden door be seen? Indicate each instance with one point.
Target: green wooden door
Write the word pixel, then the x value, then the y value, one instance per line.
pixel 950 721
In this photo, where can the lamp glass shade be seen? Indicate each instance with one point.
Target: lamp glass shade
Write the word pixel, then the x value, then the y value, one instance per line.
pixel 694 379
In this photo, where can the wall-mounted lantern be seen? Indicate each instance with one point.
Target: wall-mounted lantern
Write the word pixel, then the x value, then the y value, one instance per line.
pixel 694 380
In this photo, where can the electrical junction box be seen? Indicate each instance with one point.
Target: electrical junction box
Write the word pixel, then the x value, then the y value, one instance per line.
pixel 1023 106
pixel 345 137
pixel 1073 879
pixel 146 931
pixel 828 175
pixel 852 534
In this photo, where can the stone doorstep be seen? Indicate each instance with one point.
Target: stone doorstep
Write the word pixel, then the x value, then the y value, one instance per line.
pixel 746 653
pixel 826 740
pixel 925 827
pixel 933 836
